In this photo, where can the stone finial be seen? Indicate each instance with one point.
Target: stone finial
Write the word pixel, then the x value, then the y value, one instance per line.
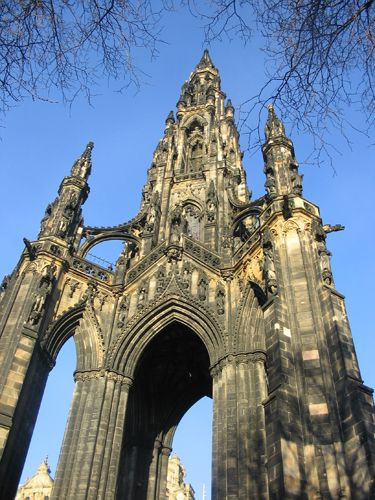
pixel 82 167
pixel 229 105
pixel 170 118
pixel 205 61
pixel 274 126
pixel 229 109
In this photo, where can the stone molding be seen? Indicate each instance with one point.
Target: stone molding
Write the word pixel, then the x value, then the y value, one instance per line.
pixel 100 373
pixel 238 358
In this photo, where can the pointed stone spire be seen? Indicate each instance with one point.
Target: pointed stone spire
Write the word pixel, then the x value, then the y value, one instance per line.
pixel 205 61
pixel 274 126
pixel 170 117
pixel 63 217
pixel 281 166
pixel 82 167
pixel 229 109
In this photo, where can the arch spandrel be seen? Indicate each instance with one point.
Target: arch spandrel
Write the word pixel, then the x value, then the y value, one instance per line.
pixel 128 348
pixel 80 323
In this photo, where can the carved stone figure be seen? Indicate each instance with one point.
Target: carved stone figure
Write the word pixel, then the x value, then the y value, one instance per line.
pixel 269 274
pixel 43 292
pixel 328 228
pixel 202 289
pixel 270 185
pixel 186 276
pixel 295 178
pixel 178 224
pixel 211 202
pixel 90 292
pixel 323 252
pixel 123 312
pixel 62 228
pixel 142 293
pixel 153 212
pixel 220 301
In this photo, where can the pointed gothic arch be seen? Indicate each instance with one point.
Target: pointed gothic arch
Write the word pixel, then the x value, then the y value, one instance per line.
pixel 189 312
pixel 189 121
pixel 80 323
pixel 170 375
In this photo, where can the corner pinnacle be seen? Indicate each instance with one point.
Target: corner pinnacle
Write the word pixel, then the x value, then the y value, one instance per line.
pixel 274 126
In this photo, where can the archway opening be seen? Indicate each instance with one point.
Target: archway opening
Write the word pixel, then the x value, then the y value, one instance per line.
pixel 53 413
pixel 192 443
pixel 106 253
pixel 171 376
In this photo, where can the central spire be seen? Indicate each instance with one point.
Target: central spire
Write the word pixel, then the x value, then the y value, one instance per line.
pixel 205 61
pixel 202 86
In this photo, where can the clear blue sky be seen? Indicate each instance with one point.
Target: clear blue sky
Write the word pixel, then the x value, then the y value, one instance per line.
pixel 40 141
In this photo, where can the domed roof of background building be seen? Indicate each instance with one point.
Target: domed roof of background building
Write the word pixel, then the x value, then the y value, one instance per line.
pixel 39 486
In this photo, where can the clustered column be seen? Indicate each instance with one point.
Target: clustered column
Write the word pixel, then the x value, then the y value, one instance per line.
pixel 90 454
pixel 238 463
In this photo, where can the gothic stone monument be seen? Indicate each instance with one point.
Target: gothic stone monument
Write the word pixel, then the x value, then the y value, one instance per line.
pixel 213 295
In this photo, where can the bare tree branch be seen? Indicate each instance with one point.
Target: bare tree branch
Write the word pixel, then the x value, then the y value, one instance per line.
pixel 320 61
pixel 68 45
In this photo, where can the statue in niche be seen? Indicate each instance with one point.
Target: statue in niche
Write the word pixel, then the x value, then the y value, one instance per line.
pixel 269 274
pixel 211 202
pixel 270 185
pixel 323 252
pixel 220 301
pixel 178 224
pixel 153 212
pixel 122 312
pixel 142 296
pixel 44 290
pixel 62 227
pixel 202 289
pixel 70 208
pixel 186 276
pixel 295 178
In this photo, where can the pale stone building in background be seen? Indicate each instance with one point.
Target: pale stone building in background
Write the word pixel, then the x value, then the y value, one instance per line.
pixel 177 489
pixel 39 486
